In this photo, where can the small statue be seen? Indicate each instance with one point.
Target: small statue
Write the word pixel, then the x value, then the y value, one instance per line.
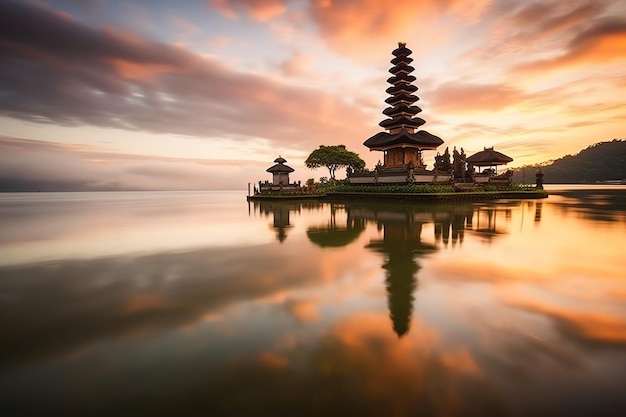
pixel 446 165
pixel 459 163
pixel 438 162
pixel 409 167
pixel 539 179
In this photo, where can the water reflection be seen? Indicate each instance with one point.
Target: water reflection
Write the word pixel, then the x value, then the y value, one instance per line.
pixel 52 308
pixel 334 234
pixel 499 308
pixel 455 219
pixel 280 216
pixel 538 209
pixel 280 211
pixel 600 203
pixel 401 243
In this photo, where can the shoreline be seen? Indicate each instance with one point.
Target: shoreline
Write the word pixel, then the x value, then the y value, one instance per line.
pixel 454 196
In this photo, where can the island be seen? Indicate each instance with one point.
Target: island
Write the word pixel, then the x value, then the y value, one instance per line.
pixel 402 174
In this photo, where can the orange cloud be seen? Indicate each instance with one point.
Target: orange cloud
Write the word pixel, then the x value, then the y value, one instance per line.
pixel 298 65
pixel 604 43
pixel 260 10
pixel 141 71
pixel 546 18
pixel 364 27
pixel 303 310
pixel 465 97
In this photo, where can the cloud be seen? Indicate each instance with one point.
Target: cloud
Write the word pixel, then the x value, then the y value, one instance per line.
pixel 538 27
pixel 260 10
pixel 297 65
pixel 186 28
pixel 465 97
pixel 603 43
pixel 364 28
pixel 546 17
pixel 302 310
pixel 66 73
pixel 28 165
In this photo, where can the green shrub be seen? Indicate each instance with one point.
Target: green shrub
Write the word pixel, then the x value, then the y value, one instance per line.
pixel 394 189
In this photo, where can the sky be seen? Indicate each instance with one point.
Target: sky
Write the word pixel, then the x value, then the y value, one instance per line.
pixel 205 94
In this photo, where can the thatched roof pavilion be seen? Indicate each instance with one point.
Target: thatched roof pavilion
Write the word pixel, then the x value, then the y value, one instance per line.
pixel 488 157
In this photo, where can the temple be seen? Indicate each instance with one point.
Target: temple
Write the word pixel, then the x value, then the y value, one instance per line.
pixel 403 142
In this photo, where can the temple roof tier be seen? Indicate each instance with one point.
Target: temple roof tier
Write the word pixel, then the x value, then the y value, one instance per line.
pixel 402 121
pixel 279 168
pixel 401 50
pixel 401 68
pixel 400 88
pixel 402 108
pixel 402 98
pixel 401 59
pixel 420 139
pixel 401 78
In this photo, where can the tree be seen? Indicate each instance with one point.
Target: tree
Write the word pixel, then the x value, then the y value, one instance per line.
pixel 333 157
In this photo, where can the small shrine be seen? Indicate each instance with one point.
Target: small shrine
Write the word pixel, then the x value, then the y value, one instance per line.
pixel 280 171
pixel 280 178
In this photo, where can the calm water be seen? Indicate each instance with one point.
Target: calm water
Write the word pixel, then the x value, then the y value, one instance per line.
pixel 192 304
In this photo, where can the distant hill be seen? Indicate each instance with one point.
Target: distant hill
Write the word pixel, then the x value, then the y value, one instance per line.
pixel 601 162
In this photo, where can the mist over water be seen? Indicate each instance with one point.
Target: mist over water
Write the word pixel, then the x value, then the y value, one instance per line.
pixel 192 303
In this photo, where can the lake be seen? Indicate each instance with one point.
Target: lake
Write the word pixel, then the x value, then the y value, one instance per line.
pixel 200 303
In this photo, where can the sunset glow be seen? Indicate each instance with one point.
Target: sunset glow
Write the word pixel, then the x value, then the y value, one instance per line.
pixel 205 94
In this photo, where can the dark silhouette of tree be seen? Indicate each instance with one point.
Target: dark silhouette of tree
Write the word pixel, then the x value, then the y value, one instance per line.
pixel 333 157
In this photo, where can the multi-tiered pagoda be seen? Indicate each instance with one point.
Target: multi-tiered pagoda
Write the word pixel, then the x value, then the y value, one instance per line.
pixel 403 142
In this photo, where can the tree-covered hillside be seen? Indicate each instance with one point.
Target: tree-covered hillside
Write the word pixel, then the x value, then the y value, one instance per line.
pixel 597 163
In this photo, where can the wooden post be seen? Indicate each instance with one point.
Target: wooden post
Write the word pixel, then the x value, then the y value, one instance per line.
pixel 248 189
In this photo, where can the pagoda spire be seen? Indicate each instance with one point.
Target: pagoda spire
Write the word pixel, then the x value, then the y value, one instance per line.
pixel 402 111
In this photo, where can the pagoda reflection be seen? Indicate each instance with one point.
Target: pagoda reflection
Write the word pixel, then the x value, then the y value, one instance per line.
pixel 402 242
pixel 401 245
